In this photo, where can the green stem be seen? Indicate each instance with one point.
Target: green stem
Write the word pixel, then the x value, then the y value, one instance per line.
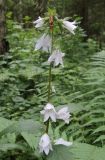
pixel 49 80
pixel 49 84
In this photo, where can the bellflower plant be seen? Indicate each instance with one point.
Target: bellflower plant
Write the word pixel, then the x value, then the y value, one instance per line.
pixel 55 58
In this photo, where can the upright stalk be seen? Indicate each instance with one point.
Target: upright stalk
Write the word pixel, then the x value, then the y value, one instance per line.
pixel 50 68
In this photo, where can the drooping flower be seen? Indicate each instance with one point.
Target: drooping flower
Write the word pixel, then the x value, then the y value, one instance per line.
pixel 56 57
pixel 64 114
pixel 71 26
pixel 49 112
pixel 45 144
pixel 43 43
pixel 61 141
pixel 39 22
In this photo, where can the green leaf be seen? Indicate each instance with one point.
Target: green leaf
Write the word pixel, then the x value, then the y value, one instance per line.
pixel 99 129
pixel 10 146
pixel 60 152
pixel 95 120
pixel 83 151
pixel 100 138
pixel 31 71
pixel 4 123
pixel 28 126
pixel 31 139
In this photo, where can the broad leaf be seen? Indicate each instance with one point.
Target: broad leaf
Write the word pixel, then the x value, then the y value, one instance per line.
pixel 4 123
pixel 84 151
pixel 31 139
pixel 28 126
pixel 10 146
pixel 60 152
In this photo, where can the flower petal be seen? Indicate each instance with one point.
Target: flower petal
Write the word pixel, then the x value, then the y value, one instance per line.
pixel 61 141
pixel 70 26
pixel 39 22
pixel 64 114
pixel 43 43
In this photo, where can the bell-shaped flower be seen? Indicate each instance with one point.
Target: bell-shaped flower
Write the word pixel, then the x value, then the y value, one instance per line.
pixel 39 22
pixel 45 144
pixel 71 26
pixel 61 141
pixel 56 57
pixel 64 114
pixel 43 43
pixel 49 112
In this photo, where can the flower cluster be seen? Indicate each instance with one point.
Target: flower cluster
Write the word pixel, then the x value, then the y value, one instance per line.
pixel 70 26
pixel 49 112
pixel 44 42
